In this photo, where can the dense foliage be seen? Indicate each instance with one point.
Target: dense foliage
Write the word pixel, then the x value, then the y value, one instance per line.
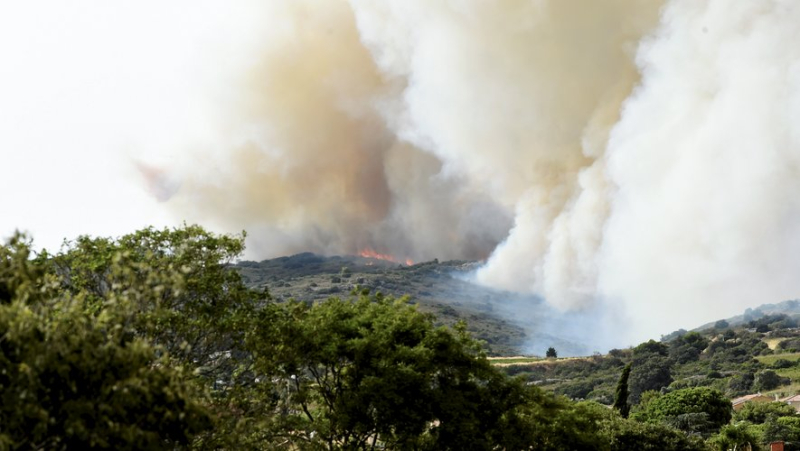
pixel 70 379
pixel 151 341
pixel 698 410
pixel 672 382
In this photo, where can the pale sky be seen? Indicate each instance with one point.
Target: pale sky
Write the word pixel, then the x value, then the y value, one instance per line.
pixel 89 88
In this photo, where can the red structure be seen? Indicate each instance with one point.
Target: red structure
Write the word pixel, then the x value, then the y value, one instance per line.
pixel 776 446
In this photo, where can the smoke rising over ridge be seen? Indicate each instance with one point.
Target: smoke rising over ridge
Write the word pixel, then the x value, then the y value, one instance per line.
pixel 641 154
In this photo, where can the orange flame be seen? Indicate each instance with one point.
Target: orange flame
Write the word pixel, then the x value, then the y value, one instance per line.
pixel 370 253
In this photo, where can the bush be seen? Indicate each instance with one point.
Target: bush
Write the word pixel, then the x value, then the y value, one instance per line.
pixel 741 384
pixel 760 412
pixel 790 345
pixel 782 364
pixel 768 380
pixel 650 347
pixel 652 373
pixel 577 390
pixel 692 409
pixel 618 433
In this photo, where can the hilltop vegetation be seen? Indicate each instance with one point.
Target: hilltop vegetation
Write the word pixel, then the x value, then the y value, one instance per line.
pixel 151 341
pixel 432 286
pixel 507 323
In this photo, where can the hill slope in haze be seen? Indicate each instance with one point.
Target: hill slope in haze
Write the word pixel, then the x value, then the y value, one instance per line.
pixel 790 308
pixel 508 323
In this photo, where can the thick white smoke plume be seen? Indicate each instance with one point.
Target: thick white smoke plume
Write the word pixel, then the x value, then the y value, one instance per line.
pixel 705 210
pixel 624 152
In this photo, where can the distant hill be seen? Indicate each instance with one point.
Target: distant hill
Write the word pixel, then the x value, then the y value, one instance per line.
pixel 509 323
pixel 790 308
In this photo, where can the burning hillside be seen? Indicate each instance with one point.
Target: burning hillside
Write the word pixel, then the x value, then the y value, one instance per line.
pixel 369 253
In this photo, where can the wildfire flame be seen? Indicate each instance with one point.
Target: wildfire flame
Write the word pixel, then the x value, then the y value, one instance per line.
pixel 370 253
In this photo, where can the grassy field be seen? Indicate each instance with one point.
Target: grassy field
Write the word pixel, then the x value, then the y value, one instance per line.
pixel 522 360
pixel 770 359
pixel 517 360
pixel 792 373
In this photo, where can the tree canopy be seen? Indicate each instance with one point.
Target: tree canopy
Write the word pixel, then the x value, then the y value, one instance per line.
pixel 699 409
pixel 152 341
pixel 72 380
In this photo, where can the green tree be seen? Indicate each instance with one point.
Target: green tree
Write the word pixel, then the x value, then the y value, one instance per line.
pixel 740 384
pixel 548 423
pixel 183 297
pixel 649 348
pixel 735 436
pixel 649 372
pixel 619 434
pixel 621 395
pixel 761 412
pixel 767 380
pixel 373 370
pixel 699 409
pixel 187 298
pixel 551 353
pixel 687 348
pixel 785 429
pixel 74 381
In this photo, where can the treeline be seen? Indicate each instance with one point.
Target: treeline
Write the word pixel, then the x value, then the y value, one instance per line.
pixel 150 341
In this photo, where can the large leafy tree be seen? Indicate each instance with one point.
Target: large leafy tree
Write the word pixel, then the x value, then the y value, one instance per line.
pixel 69 380
pixel 760 412
pixel 186 297
pixel 736 436
pixel 616 433
pixel 183 297
pixel 784 429
pixel 699 409
pixel 649 372
pixel 375 370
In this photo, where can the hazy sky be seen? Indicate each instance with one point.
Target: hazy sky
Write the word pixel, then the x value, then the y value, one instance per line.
pixel 90 88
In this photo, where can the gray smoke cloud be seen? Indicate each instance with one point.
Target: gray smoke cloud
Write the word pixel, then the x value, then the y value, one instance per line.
pixel 641 155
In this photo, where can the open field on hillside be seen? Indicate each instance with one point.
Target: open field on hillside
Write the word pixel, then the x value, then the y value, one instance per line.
pixel 773 342
pixel 515 360
pixel 531 361
pixel 772 358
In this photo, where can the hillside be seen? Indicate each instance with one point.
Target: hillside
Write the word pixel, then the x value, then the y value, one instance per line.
pixel 509 323
pixel 737 357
